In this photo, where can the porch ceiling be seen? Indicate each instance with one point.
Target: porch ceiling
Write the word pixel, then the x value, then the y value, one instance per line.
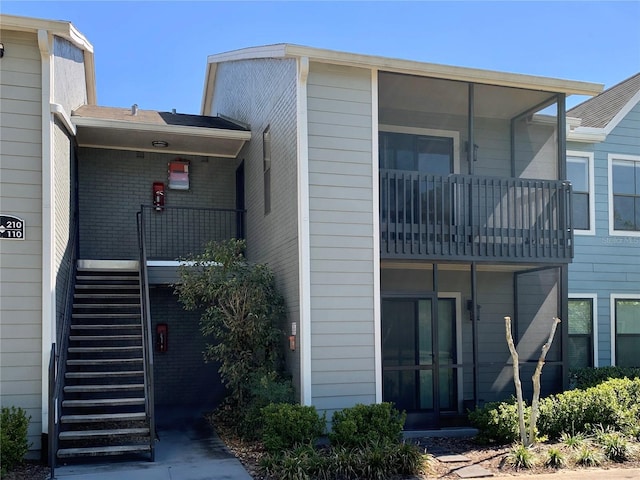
pixel 120 129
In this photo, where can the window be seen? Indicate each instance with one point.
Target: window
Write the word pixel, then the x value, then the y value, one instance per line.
pixel 626 328
pixel 581 315
pixel 624 194
pixel 580 174
pixel 418 153
pixel 266 163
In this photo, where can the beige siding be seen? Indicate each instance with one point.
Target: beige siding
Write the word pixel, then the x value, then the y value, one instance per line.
pixel 262 93
pixel 341 237
pixel 21 260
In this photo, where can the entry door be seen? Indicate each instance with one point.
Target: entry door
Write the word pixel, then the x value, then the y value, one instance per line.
pixel 419 357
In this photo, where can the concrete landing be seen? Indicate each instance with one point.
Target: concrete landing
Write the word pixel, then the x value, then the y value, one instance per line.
pixel 473 471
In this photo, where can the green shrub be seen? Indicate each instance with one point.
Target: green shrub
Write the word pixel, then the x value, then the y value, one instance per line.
pixel 364 424
pixel 572 441
pixel 497 422
pixel 590 377
pixel 588 457
pixel 287 426
pixel 521 457
pixel 555 458
pixel 612 404
pixel 265 388
pixel 14 423
pixel 615 445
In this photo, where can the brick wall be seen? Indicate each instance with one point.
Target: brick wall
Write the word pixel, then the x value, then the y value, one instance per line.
pixel 181 375
pixel 113 184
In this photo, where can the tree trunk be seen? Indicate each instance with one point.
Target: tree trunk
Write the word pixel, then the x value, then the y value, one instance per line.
pixel 516 381
pixel 536 381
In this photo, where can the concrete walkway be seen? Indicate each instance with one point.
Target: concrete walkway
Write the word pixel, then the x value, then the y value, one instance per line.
pixel 188 449
pixel 586 474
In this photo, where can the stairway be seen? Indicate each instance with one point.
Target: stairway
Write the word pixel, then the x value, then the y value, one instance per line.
pixel 103 407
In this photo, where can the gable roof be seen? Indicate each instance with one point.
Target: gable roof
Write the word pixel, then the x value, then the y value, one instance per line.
pixel 612 104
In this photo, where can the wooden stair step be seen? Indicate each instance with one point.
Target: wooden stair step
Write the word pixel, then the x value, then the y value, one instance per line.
pixel 129 348
pixel 107 286
pixel 103 388
pixel 102 402
pixel 105 305
pixel 103 417
pixel 111 326
pixel 106 295
pixel 88 434
pixel 105 361
pixel 99 451
pixel 126 373
pixel 99 276
pixel 93 338
pixel 106 315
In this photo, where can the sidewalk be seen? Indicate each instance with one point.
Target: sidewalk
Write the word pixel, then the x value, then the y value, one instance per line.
pixel 188 449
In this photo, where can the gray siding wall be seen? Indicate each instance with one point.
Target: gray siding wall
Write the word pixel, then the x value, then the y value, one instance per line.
pixel 606 264
pixel 70 89
pixel 113 184
pixel 64 207
pixel 21 260
pixel 341 237
pixel 263 93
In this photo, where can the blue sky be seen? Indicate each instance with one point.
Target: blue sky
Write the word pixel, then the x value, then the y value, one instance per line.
pixel 154 53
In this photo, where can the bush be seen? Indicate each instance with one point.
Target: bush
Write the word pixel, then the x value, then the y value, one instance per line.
pixel 14 423
pixel 590 377
pixel 555 458
pixel 363 424
pixel 264 389
pixel 521 457
pixel 497 422
pixel 611 405
pixel 287 426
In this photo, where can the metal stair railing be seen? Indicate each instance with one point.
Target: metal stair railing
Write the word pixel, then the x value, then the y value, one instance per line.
pixel 147 343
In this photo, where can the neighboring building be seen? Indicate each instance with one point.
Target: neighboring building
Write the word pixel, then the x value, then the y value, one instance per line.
pixel 404 207
pixel 603 164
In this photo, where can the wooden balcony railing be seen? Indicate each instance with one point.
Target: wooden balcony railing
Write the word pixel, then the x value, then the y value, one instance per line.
pixel 477 218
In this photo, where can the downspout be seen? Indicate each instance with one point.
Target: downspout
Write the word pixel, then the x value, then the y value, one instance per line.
pixel 304 249
pixel 45 43
pixel 375 185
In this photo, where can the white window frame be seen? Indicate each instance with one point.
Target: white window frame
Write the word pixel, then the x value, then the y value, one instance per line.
pixel 594 328
pixel 431 132
pixel 610 158
pixel 592 194
pixel 612 316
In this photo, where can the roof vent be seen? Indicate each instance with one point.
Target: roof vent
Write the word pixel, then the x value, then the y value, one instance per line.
pixel 134 109
pixel 173 110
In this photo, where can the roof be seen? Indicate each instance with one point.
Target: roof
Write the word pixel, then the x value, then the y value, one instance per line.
pixel 599 111
pixel 489 77
pixel 161 132
pixel 153 117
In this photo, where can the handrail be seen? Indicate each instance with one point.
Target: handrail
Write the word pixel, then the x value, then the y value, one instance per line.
pixel 58 359
pixel 145 311
pixel 171 233
pixel 474 217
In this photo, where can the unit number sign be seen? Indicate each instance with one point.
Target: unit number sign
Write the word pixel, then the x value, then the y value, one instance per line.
pixel 11 227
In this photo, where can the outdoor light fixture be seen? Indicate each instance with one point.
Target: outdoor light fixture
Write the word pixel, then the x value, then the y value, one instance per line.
pixel 160 144
pixel 1 50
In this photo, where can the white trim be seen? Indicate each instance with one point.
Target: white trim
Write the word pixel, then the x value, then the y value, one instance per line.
pixel 613 123
pixel 592 197
pixel 304 249
pixel 45 43
pixel 612 315
pixel 59 111
pixel 594 328
pixel 610 158
pixel 448 72
pixel 375 187
pixel 455 135
pixel 459 360
pixel 224 134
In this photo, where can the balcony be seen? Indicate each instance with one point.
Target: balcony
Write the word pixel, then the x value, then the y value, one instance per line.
pixel 172 233
pixel 474 218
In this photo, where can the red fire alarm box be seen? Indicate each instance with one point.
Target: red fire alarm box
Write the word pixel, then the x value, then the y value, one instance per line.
pixel 179 175
pixel 162 337
pixel 158 195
